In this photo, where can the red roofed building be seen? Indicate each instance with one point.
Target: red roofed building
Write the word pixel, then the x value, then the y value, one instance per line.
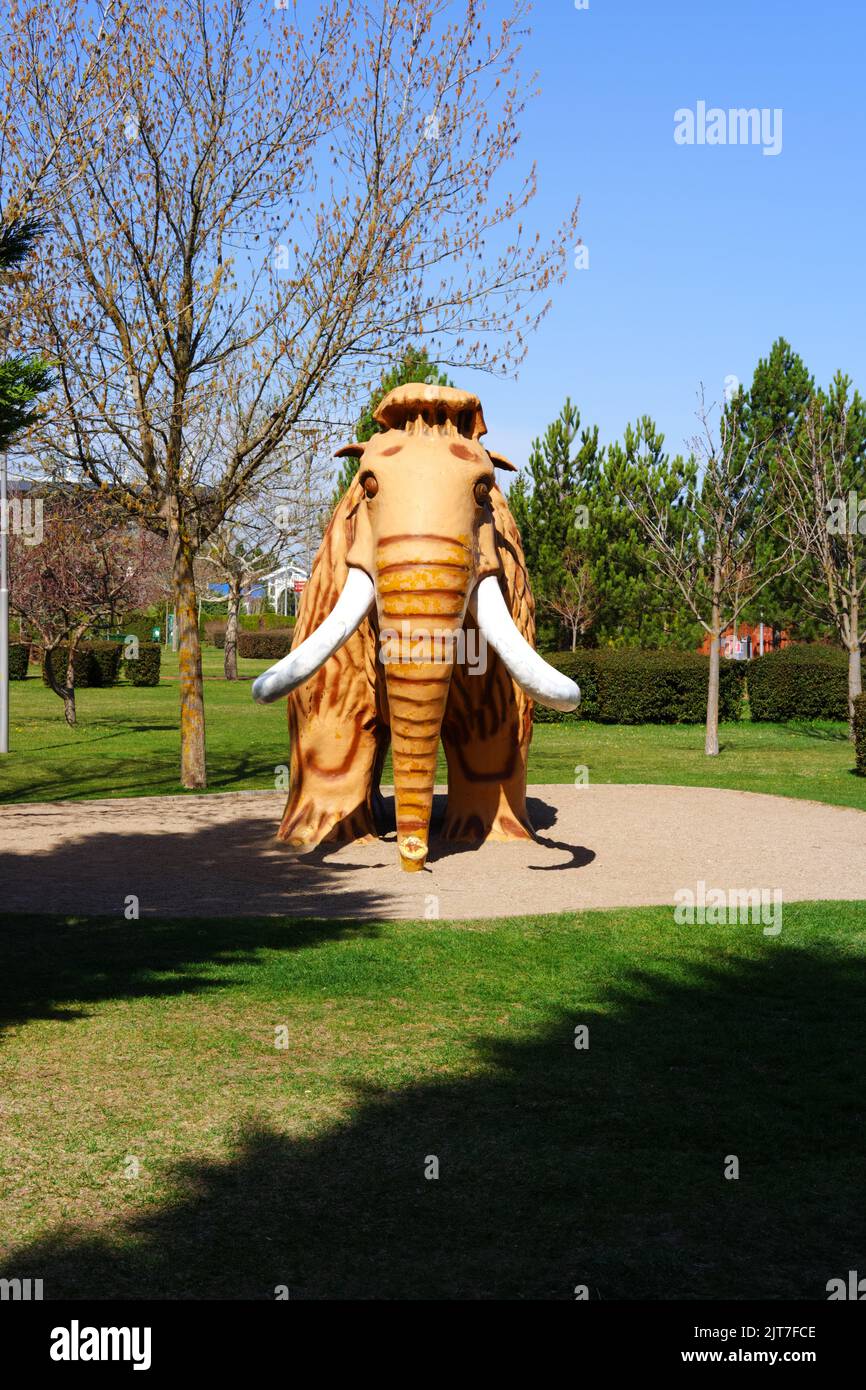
pixel 748 640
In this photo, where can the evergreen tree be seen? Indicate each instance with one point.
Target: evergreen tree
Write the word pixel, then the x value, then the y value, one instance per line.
pixel 549 512
pixel 639 606
pixel 414 365
pixel 781 388
pixel 772 411
pixel 570 512
pixel 22 379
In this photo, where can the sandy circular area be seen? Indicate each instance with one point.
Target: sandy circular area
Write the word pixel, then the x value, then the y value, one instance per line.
pixel 597 846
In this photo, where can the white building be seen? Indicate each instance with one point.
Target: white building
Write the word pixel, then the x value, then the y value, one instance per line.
pixel 284 588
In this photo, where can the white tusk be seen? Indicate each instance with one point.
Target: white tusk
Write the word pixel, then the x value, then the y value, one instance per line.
pixel 304 661
pixel 531 672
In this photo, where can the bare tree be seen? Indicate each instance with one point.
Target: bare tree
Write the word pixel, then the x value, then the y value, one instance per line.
pixel 46 47
pixel 281 204
pixel 710 558
pixel 239 553
pixel 576 602
pixel 824 522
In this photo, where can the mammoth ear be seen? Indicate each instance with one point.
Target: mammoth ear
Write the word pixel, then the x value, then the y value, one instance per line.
pixel 500 461
pixel 349 451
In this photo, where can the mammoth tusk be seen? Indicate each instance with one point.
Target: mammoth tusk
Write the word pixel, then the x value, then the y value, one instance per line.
pixel 345 617
pixel 531 672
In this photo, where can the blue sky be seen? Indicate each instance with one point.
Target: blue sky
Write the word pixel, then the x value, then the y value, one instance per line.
pixel 700 256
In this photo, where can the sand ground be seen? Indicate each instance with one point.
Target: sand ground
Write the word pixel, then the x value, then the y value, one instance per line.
pixel 597 847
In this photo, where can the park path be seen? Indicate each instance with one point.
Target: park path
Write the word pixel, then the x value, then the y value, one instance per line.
pixel 598 846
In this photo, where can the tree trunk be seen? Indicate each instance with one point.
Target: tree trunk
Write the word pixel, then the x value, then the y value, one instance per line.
pixel 711 741
pixel 65 692
pixel 69 692
pixel 230 660
pixel 193 764
pixel 855 683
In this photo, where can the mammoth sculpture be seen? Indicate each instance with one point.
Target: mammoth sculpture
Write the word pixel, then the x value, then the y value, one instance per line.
pixel 416 624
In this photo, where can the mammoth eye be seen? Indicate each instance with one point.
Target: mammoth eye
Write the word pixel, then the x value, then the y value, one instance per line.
pixel 482 492
pixel 370 485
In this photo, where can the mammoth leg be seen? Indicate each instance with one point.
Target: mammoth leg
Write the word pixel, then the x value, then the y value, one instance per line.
pixel 339 739
pixel 486 734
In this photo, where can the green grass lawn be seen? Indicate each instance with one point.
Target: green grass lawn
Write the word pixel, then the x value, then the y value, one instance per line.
pixel 127 744
pixel 304 1166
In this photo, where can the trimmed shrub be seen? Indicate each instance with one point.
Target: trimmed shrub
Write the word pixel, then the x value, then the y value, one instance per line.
pixel 144 670
pixel 215 631
pixel 19 658
pixel 81 666
pixel 140 625
pixel 104 662
pixel 799 682
pixel 860 734
pixel 257 622
pixel 95 664
pixel 630 686
pixel 265 646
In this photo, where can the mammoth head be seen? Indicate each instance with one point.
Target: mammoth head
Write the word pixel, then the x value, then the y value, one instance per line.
pixel 423 554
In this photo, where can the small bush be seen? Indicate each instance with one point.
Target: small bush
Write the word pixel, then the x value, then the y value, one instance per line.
pixel 215 632
pixel 266 646
pixel 631 686
pixel 799 682
pixel 95 664
pixel 860 734
pixel 19 658
pixel 145 669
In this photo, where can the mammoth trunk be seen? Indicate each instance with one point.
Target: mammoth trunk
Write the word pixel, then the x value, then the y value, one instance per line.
pixel 421 609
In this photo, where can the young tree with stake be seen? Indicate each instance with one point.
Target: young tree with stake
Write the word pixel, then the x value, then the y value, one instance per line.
pixel 704 541
pixel 824 522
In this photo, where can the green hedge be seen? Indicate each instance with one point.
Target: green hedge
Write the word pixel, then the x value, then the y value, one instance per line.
pixel 19 657
pixel 139 625
pixel 144 670
pixel 255 622
pixel 860 734
pixel 215 632
pixel 631 686
pixel 266 646
pixel 96 663
pixel 799 682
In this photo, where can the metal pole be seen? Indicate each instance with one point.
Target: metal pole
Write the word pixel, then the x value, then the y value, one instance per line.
pixel 4 608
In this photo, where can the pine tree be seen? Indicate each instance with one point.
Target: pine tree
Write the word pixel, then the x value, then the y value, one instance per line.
pixel 569 512
pixel 414 365
pixel 22 379
pixel 548 504
pixel 772 411
pixel 640 607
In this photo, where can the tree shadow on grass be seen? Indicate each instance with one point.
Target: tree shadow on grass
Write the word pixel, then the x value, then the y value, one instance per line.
pixel 808 730
pixel 557 1167
pixel 110 779
pixel 55 969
